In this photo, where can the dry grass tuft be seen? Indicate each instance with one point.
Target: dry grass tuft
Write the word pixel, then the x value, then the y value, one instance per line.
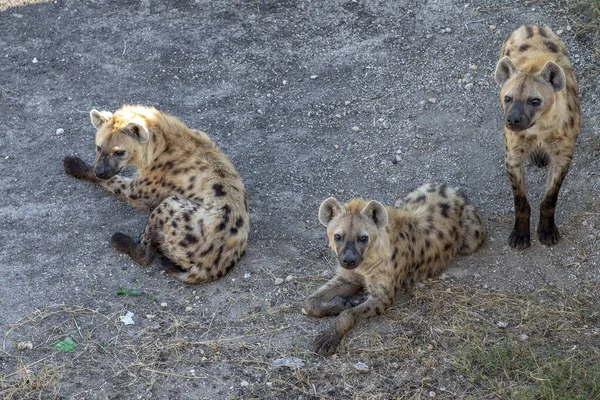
pixel 453 341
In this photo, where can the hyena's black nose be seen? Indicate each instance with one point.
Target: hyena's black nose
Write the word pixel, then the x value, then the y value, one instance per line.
pixel 513 120
pixel 101 173
pixel 349 261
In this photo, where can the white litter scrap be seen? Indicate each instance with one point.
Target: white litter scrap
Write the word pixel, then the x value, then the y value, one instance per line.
pixel 127 319
pixel 290 362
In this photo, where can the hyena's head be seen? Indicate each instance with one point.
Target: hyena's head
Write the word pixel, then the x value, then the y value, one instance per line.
pixel 119 140
pixel 526 96
pixel 352 228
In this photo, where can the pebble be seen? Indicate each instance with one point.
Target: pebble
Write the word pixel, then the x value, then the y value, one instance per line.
pixel 278 281
pixel 361 367
pixel 247 275
pixel 432 100
pixel 187 309
pixel 347 103
pixel 523 336
pixel 559 32
pixel 501 324
pixel 327 273
pixel 469 86
pixel 432 394
pixel 35 60
pixel 284 82
pixel 444 276
pixel 289 278
pixel 60 131
pixel 25 346
pixel 355 128
pixel 473 67
pixel 314 76
pixel 492 27
pixel 163 304
pixel 244 383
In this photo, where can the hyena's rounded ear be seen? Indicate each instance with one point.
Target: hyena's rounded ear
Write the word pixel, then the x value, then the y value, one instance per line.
pixel 376 212
pixel 99 117
pixel 328 210
pixel 554 75
pixel 137 129
pixel 504 70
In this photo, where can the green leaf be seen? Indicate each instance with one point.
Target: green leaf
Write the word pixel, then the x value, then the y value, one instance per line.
pixel 67 345
pixel 128 292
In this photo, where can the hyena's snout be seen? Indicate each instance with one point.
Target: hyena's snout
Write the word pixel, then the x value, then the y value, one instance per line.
pixel 516 119
pixel 349 257
pixel 104 169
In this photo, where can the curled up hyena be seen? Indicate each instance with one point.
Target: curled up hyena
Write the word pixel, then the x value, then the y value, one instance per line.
pixel 381 248
pixel 198 205
pixel 541 120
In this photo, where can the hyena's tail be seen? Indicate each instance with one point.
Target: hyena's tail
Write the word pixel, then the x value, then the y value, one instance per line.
pixel 473 228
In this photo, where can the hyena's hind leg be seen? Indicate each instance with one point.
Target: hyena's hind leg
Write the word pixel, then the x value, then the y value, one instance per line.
pixel 337 295
pixel 143 250
pixel 472 226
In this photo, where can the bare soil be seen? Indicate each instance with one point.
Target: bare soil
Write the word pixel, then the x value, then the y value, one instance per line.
pixel 310 99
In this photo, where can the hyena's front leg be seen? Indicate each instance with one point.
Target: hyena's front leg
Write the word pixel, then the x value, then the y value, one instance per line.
pixel 377 302
pixel 520 237
pixel 126 188
pixel 547 231
pixel 335 296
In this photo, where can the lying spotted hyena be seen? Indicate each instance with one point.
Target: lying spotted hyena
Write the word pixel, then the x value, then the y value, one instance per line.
pixel 541 119
pixel 381 248
pixel 199 210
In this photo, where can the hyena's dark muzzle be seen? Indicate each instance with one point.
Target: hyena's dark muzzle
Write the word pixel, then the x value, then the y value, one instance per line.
pixel 104 168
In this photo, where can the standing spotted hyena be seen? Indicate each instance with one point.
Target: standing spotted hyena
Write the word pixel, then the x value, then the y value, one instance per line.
pixel 199 208
pixel 541 120
pixel 381 248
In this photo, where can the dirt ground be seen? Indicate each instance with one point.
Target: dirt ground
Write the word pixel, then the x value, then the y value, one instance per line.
pixel 310 99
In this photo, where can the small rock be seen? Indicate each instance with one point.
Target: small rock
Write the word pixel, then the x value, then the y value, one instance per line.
pixel 469 86
pixel 559 32
pixel 335 146
pixel 444 276
pixel 421 285
pixel 284 82
pixel 501 324
pixel 163 305
pixel 149 316
pixel 492 27
pixel 432 394
pixel 568 28
pixel 432 100
pixel 247 275
pixel 35 60
pixel 347 103
pixel 60 131
pixel 361 367
pixel 398 158
pixel 244 383
pixel 290 362
pixel 448 30
pixel 278 281
pixel 473 67
pixel 314 76
pixel 327 274
pixel 289 278
pixel 355 128
pixel 523 336
pixel 25 346
pixel 188 309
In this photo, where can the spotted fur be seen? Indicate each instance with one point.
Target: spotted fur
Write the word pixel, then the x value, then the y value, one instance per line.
pixel 198 205
pixel 541 121
pixel 380 249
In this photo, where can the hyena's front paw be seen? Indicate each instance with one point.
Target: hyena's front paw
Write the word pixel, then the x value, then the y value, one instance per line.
pixel 519 240
pixel 326 343
pixel 76 167
pixel 548 236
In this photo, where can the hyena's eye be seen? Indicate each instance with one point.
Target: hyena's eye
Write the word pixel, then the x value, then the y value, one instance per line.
pixel 120 153
pixel 363 239
pixel 337 237
pixel 535 102
pixel 507 99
